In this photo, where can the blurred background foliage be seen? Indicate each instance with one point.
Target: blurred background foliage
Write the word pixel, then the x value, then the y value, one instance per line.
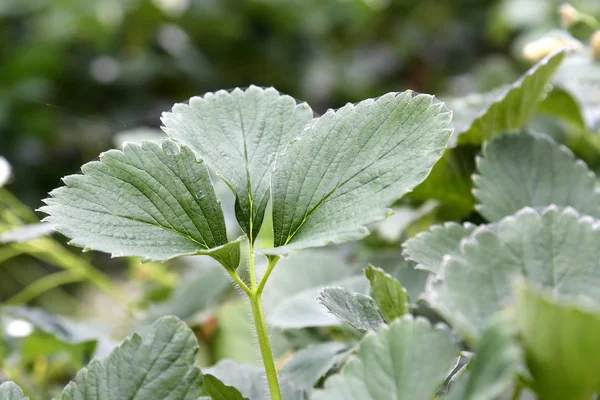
pixel 74 74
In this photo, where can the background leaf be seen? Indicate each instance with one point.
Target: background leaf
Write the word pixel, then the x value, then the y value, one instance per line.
pixel 237 134
pixel 309 364
pixel 388 293
pixel 428 248
pixel 348 166
pixel 407 360
pixel 481 116
pixel 148 201
pixel 494 367
pixel 251 381
pixel 11 391
pixel 158 365
pixel 553 248
pixel 217 390
pixel 356 309
pixel 561 343
pixel 531 170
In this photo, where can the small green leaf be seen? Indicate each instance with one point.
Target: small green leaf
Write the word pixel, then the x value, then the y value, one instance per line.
pixel 407 360
pixel 238 134
pixel 251 381
pixel 561 344
pixel 428 248
pixel 11 391
pixel 217 390
pixel 350 165
pixel 147 201
pixel 560 104
pixel 495 366
pixel 481 116
pixel 309 364
pixel 553 248
pixel 390 296
pixel 356 309
pixel 158 365
pixel 531 170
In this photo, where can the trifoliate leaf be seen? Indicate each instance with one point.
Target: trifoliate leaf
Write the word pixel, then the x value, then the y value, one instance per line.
pixel 252 381
pixel 428 248
pixel 553 248
pixel 349 165
pixel 388 293
pixel 26 233
pixel 309 364
pixel 147 201
pixel 159 365
pixel 494 367
pixel 238 134
pixel 217 390
pixel 450 181
pixel 531 170
pixel 561 344
pixel 407 360
pixel 11 391
pixel 290 297
pixel 356 309
pixel 479 117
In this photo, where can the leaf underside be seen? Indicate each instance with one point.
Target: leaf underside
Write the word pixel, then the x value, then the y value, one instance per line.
pixel 150 201
pixel 481 116
pixel 356 309
pixel 531 170
pixel 407 360
pixel 553 248
pixel 11 391
pixel 349 165
pixel 238 134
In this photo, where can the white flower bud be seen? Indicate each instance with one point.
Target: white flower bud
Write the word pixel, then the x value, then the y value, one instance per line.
pixel 568 15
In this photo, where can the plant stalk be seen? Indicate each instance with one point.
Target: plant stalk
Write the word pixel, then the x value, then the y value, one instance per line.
pixel 261 327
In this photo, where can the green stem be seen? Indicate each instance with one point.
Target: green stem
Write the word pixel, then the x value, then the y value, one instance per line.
pixel 263 281
pixel 254 294
pixel 44 284
pixel 265 346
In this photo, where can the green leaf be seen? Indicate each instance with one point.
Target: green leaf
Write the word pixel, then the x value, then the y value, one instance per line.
pixel 26 233
pixel 561 344
pixel 356 309
pixel 428 248
pixel 11 391
pixel 479 117
pixel 158 365
pixel 450 181
pixel 531 170
pixel 560 104
pixel 237 134
pixel 290 297
pixel 217 390
pixel 579 76
pixel 390 296
pixel 350 165
pixel 309 364
pixel 407 360
pixel 147 201
pixel 495 366
pixel 251 381
pixel 553 248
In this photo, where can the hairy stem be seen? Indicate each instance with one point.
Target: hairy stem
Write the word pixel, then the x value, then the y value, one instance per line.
pixel 517 391
pixel 261 327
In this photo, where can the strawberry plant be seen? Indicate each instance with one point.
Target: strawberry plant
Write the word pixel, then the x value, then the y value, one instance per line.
pixel 489 293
